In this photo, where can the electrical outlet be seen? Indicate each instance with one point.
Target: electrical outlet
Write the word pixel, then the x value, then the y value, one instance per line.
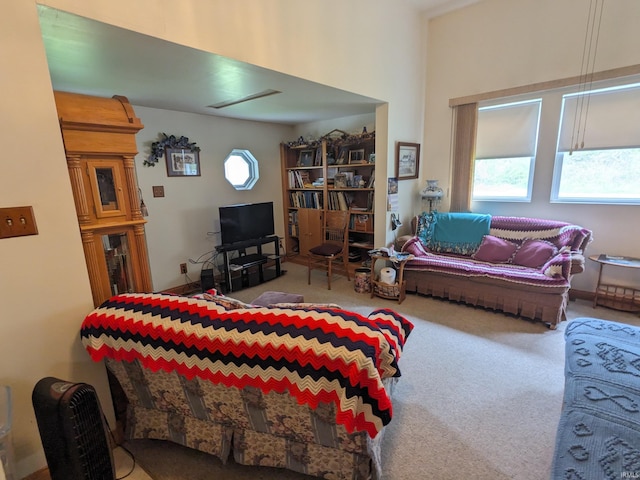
pixel 183 268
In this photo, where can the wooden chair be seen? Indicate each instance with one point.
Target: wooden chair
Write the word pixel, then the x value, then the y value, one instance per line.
pixel 335 246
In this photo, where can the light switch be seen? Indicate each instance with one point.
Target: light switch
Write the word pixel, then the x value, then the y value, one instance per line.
pixel 17 222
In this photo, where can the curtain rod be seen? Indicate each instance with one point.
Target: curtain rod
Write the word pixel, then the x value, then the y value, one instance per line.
pixel 548 85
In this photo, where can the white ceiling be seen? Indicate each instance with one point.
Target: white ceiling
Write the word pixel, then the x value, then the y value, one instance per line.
pixel 86 56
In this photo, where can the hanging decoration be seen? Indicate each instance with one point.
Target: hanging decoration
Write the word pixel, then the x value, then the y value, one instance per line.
pixel 589 51
pixel 168 141
pixel 143 207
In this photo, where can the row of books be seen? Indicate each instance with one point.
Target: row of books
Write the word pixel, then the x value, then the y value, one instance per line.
pixel 339 200
pixel 298 179
pixel 306 199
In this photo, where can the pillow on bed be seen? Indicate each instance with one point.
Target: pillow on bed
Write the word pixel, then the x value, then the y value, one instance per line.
pixel 495 250
pixel 534 253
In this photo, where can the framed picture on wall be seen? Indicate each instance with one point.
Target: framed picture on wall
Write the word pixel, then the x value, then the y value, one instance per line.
pixel 182 162
pixel 407 160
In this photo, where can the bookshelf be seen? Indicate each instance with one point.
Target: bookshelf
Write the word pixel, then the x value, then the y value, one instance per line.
pixel 336 172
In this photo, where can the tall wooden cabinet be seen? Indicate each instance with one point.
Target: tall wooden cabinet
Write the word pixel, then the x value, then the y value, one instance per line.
pixel 334 173
pixel 99 140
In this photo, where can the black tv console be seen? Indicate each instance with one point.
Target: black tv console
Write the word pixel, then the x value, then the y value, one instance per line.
pixel 245 261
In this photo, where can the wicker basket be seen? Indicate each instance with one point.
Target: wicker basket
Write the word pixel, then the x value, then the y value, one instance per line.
pixel 386 289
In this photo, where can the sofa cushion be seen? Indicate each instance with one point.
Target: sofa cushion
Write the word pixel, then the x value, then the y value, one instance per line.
pixel 495 250
pixel 534 253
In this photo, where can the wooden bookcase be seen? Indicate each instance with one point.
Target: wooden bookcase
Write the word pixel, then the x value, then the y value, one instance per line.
pixel 330 174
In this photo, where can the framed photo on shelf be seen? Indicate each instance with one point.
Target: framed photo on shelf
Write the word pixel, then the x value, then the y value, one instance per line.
pixel 407 160
pixel 182 162
pixel 340 180
pixel 356 156
pixel 306 158
pixel 350 176
pixel 342 156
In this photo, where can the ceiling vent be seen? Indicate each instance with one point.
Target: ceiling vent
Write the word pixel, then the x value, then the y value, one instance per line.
pixel 228 103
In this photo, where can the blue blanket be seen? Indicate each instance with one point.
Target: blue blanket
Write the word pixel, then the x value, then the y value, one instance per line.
pixel 598 434
pixel 459 233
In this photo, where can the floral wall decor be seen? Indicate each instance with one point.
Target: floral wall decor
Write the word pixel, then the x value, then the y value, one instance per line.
pixel 168 141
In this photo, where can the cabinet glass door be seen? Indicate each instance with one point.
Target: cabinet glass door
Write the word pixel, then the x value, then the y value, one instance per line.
pixel 119 266
pixel 106 186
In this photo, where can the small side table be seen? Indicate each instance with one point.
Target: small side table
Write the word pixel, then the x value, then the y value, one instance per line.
pixel 384 290
pixel 615 296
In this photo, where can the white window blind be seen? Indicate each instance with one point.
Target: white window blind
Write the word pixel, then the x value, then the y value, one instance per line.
pixel 508 131
pixel 610 118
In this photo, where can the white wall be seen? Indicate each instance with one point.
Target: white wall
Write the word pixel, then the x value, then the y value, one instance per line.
pixel 370 48
pixel 498 44
pixel 184 224
pixel 44 286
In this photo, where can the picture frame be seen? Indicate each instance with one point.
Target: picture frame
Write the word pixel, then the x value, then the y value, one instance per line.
pixel 182 162
pixel 356 156
pixel 342 156
pixel 340 180
pixel 407 160
pixel 350 174
pixel 305 159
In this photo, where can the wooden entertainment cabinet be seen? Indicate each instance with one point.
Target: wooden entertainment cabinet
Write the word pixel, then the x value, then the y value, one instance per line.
pixel 253 268
pixel 100 144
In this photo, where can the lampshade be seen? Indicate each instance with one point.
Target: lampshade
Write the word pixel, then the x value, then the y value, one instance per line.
pixel 432 190
pixel 432 193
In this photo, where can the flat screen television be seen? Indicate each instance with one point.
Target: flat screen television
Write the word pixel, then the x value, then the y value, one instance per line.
pixel 246 221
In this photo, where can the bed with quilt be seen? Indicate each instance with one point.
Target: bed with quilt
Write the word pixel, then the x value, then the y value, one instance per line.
pixel 307 388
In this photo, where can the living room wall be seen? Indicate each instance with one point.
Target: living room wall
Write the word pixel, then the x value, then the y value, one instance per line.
pixel 499 44
pixel 184 225
pixel 45 289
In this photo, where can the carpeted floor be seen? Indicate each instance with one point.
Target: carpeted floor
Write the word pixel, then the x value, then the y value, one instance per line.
pixel 480 393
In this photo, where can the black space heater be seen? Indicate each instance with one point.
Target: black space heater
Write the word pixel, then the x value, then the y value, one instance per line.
pixel 74 432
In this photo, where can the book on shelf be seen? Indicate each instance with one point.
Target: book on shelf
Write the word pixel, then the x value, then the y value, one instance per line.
pixel 372 179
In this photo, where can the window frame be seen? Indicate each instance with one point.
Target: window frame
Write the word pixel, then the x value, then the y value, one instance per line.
pixel 252 164
pixel 506 103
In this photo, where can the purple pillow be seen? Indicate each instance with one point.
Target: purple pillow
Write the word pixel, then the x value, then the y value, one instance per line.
pixel 534 253
pixel 494 250
pixel 415 247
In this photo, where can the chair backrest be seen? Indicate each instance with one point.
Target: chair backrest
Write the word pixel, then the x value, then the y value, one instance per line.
pixel 336 227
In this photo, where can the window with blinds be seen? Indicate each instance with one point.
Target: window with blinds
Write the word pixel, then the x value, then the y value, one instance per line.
pixel 506 140
pixel 598 153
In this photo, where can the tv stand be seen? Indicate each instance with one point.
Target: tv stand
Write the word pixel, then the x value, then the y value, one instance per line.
pixel 248 263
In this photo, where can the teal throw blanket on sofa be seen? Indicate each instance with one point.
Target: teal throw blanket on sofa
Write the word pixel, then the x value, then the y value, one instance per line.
pixel 459 233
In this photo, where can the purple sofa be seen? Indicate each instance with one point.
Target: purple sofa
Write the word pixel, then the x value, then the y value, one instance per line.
pixel 517 265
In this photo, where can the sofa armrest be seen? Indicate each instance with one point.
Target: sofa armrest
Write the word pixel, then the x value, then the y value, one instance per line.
pixel 400 241
pixel 577 263
pixel 564 264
